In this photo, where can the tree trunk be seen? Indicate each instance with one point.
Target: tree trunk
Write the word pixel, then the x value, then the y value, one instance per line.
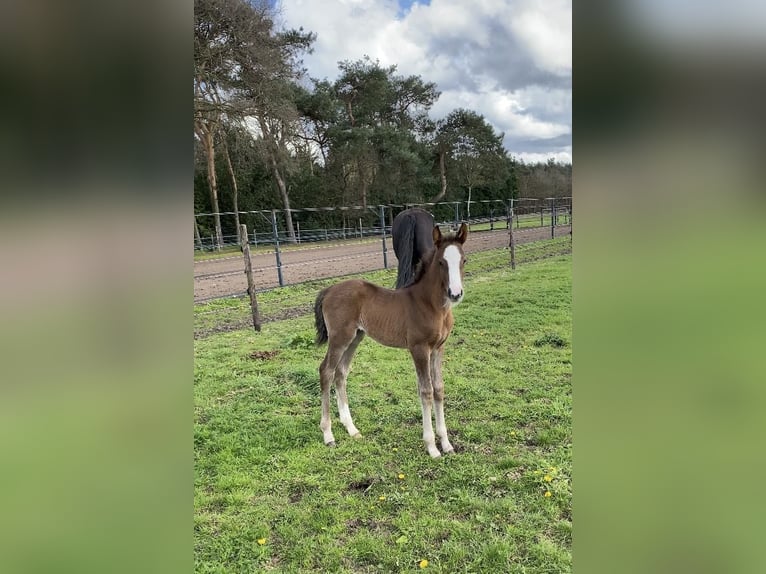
pixel 235 191
pixel 442 177
pixel 272 149
pixel 206 136
pixel 364 184
pixel 468 210
pixel 285 199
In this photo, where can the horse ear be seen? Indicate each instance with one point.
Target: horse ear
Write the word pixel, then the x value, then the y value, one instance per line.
pixel 437 234
pixel 462 234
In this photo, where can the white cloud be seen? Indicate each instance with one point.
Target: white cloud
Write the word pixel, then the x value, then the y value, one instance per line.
pixel 508 60
pixel 546 31
pixel 559 156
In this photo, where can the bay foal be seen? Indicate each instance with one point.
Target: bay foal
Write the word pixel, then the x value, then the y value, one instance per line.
pixel 418 318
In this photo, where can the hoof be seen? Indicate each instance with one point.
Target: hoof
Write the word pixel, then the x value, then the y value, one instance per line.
pixel 331 444
pixel 449 451
pixel 435 454
pixel 357 436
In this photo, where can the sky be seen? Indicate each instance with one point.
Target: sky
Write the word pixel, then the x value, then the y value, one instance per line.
pixel 509 60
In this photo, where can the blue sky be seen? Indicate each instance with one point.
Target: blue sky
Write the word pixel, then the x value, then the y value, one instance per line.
pixel 509 60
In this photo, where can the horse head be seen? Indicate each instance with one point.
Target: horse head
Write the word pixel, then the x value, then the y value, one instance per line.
pixel 450 259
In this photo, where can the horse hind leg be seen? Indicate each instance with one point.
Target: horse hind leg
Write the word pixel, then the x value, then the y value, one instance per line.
pixel 341 373
pixel 326 378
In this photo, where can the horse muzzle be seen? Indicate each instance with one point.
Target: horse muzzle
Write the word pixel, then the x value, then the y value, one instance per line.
pixel 455 298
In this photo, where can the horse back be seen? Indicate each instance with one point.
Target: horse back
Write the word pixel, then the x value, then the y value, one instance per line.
pixel 382 313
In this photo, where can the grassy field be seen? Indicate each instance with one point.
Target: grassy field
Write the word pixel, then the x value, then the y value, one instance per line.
pixel 269 496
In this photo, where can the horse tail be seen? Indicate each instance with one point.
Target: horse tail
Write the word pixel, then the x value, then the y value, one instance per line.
pixel 319 318
pixel 406 244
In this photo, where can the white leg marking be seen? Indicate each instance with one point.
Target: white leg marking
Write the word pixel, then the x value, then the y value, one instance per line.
pixel 345 418
pixel 441 427
pixel 428 430
pixel 326 426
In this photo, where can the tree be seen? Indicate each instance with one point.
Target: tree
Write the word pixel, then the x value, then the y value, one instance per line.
pixel 381 121
pixel 475 154
pixel 244 68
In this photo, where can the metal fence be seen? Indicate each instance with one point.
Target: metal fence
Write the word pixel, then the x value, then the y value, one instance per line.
pixel 317 224
pixel 223 281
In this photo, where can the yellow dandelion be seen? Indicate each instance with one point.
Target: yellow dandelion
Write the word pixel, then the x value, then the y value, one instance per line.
pixel 547 478
pixel 513 433
pixel 381 497
pixel 261 541
pixel 547 494
pixel 423 564
pixel 401 476
pixel 395 449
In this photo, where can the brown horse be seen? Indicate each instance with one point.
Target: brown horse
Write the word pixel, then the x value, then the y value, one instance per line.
pixel 418 318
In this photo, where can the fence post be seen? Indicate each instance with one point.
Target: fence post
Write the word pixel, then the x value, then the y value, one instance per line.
pixel 276 247
pixel 255 238
pixel 249 273
pixel 511 241
pixel 553 217
pixel 383 228
pixel 542 221
pixel 298 225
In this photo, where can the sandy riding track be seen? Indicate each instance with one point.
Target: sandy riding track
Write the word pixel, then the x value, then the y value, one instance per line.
pixel 223 277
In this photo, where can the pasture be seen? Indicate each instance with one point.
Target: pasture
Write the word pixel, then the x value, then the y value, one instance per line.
pixel 270 496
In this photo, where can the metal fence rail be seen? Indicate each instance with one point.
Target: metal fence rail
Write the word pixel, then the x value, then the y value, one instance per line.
pixel 275 262
pixel 267 227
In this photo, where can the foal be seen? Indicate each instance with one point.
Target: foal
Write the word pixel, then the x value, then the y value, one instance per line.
pixel 418 318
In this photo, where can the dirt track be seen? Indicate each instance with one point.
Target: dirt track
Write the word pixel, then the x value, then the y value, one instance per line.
pixel 221 277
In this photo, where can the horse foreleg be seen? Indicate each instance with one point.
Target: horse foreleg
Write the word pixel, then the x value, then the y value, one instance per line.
pixel 422 358
pixel 438 386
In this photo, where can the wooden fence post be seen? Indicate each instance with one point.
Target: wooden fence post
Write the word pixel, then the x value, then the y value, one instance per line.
pixel 245 244
pixel 511 242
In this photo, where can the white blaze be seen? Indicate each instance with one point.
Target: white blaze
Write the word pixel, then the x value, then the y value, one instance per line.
pixel 452 257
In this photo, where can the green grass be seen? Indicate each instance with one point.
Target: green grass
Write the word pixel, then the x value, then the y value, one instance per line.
pixel 269 496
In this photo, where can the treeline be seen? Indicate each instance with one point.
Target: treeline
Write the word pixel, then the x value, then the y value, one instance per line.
pixel 268 137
